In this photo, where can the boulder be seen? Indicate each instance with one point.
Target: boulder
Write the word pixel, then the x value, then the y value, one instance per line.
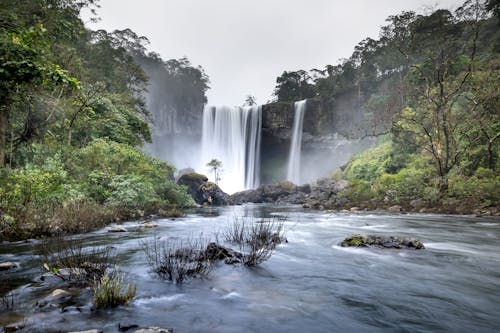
pixel 382 242
pixel 203 191
pixel 215 251
pixel 282 192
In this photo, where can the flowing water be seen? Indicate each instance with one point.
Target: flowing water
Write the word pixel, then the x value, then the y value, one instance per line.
pixel 293 170
pixel 232 135
pixel 311 284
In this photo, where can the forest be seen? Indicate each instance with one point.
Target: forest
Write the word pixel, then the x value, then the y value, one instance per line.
pixel 429 90
pixel 73 121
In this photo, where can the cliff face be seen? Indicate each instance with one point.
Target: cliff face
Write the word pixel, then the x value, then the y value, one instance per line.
pixel 324 147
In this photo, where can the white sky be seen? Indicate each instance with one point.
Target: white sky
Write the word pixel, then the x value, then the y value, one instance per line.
pixel 243 45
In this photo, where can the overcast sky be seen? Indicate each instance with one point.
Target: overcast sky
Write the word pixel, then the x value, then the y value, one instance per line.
pixel 243 45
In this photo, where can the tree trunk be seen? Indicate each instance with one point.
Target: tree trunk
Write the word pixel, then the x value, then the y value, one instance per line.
pixel 3 133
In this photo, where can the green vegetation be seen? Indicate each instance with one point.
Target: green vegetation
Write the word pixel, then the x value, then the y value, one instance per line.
pixel 431 83
pixel 73 120
pixel 110 291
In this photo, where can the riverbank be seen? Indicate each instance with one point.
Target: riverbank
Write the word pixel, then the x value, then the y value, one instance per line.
pixel 340 195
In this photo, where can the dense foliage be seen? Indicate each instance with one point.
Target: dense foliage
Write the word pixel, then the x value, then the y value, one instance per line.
pixel 73 120
pixel 431 82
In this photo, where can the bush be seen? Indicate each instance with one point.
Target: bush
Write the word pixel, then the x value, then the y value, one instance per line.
pixel 257 241
pixel 70 261
pixel 110 291
pixel 177 261
pixel 481 188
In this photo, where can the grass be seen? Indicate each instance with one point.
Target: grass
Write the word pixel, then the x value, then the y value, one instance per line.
pixel 110 291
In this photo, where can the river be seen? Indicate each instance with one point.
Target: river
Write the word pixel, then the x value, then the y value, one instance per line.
pixel 310 284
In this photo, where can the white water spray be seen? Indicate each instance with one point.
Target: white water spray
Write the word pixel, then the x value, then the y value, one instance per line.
pixel 293 170
pixel 232 135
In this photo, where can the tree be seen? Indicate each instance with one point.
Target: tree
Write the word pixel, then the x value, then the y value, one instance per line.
pixel 434 116
pixel 216 167
pixel 294 86
pixel 250 100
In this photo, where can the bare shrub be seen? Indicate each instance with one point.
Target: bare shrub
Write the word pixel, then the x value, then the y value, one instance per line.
pixel 69 260
pixel 257 241
pixel 7 301
pixel 177 260
pixel 110 291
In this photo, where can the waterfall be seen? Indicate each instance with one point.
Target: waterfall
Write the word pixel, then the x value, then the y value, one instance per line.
pixel 293 170
pixel 232 135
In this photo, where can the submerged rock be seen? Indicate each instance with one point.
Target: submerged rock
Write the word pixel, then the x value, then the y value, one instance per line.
pixel 154 330
pixel 126 326
pixel 383 242
pixel 55 299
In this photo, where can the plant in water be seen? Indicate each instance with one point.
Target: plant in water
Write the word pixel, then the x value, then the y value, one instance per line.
pixel 257 241
pixel 110 291
pixel 175 260
pixel 7 301
pixel 71 261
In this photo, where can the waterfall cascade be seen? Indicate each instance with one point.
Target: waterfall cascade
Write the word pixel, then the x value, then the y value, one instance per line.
pixel 293 170
pixel 232 135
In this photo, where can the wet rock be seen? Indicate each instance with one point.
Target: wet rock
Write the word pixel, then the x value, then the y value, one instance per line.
pixel 382 242
pixel 14 327
pixel 218 252
pixel 154 330
pixel 87 331
pixel 282 192
pixel 149 225
pixel 8 265
pixel 395 208
pixel 117 228
pixel 55 299
pixel 123 327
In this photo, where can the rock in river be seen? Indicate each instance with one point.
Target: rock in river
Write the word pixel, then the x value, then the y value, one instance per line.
pixel 383 242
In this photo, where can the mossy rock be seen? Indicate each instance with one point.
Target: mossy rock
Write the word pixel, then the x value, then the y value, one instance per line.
pixel 383 242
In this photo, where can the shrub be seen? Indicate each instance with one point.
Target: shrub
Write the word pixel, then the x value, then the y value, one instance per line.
pixel 257 241
pixel 175 260
pixel 69 260
pixel 110 291
pixel 482 187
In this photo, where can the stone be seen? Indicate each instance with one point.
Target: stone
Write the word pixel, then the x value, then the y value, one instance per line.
pixel 215 251
pixel 117 228
pixel 154 330
pixel 395 208
pixel 382 242
pixel 126 326
pixel 149 225
pixel 14 327
pixel 8 265
pixel 55 299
